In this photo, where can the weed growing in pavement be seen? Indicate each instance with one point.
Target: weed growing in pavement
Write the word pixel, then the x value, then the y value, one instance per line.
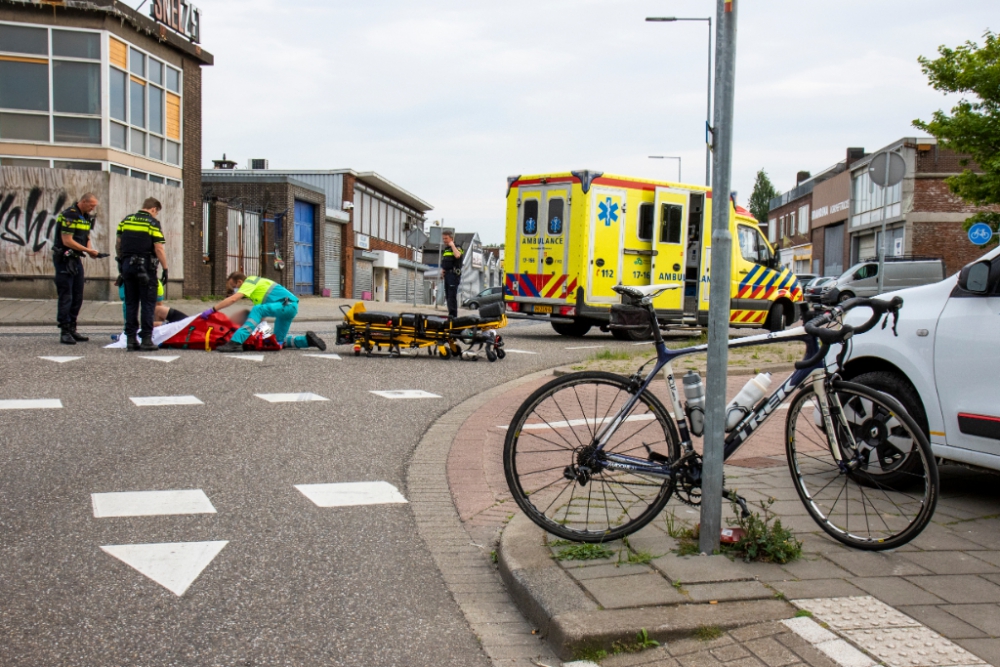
pixel 633 556
pixel 762 540
pixel 803 613
pixel 677 584
pixel 687 538
pixel 707 633
pixel 590 653
pixel 585 552
pixel 494 557
pixel 640 643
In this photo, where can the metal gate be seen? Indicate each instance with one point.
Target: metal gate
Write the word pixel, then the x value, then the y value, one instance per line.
pixel 243 247
pixel 399 285
pixel 331 257
pixel 305 218
pixel 363 278
pixel 833 250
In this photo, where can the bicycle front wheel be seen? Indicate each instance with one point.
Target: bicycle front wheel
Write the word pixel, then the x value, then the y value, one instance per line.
pixel 880 489
pixel 553 434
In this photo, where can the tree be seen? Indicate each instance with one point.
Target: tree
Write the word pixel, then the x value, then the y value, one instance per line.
pixel 763 193
pixel 973 127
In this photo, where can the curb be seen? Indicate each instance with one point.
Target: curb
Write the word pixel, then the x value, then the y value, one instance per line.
pixel 732 371
pixel 550 598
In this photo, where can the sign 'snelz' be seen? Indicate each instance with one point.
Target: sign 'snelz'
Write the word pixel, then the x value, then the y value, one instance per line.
pixel 178 15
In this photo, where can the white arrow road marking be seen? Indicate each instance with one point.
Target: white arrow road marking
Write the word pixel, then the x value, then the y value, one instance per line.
pixel 291 398
pixel 351 493
pixel 507 349
pixel 165 360
pixel 173 565
pixel 31 404
pixel 151 503
pixel 247 357
pixel 323 356
pixel 582 422
pixel 165 400
pixel 405 393
pixel 60 360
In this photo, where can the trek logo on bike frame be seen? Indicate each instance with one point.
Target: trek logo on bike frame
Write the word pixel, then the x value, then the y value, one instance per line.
pixel 758 417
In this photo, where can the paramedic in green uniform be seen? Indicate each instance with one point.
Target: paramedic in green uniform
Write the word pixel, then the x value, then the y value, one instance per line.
pixel 269 300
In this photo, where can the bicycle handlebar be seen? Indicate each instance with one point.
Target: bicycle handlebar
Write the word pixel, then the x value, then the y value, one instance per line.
pixel 828 337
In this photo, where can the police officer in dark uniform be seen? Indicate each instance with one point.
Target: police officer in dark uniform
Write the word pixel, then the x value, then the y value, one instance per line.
pixel 140 246
pixel 451 267
pixel 71 243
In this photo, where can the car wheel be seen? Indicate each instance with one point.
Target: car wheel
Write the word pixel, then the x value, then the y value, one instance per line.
pixel 571 329
pixel 472 305
pixel 844 296
pixel 899 388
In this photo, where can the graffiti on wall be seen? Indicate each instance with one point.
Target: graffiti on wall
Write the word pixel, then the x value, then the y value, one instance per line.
pixel 30 225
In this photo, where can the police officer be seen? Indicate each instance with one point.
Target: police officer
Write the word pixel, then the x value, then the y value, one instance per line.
pixel 71 243
pixel 451 267
pixel 139 246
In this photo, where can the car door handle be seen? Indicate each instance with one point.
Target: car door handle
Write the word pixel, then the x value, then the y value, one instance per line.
pixel 744 271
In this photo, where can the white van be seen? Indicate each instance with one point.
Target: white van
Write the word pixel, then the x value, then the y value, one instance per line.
pixel 862 278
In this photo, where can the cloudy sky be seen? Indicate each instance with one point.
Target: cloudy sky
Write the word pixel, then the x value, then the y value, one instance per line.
pixel 448 97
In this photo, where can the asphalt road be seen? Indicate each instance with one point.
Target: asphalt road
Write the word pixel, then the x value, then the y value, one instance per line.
pixel 295 584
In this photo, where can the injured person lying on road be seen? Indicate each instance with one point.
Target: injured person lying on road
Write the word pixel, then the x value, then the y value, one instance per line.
pixel 199 333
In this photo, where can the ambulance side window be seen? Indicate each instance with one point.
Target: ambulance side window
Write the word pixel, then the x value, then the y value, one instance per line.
pixel 748 244
pixel 556 217
pixel 670 230
pixel 646 215
pixel 530 225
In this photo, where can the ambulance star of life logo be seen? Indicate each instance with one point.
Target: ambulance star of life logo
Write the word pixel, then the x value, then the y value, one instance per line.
pixel 608 212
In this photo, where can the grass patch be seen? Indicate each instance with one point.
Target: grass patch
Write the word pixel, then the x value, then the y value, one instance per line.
pixel 590 653
pixel 803 613
pixel 707 633
pixel 585 552
pixel 764 538
pixel 687 538
pixel 640 643
pixel 612 355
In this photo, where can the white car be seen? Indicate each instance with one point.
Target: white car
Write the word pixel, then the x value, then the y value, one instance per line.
pixel 944 367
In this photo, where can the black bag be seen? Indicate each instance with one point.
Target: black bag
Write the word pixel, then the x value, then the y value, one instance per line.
pixel 628 317
pixel 491 311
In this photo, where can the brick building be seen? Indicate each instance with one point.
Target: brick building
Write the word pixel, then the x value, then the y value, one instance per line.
pixel 357 241
pixel 94 86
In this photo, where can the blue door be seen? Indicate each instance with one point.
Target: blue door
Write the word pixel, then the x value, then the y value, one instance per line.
pixel 304 222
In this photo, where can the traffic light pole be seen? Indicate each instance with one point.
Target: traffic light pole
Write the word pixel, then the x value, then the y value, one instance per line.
pixel 719 288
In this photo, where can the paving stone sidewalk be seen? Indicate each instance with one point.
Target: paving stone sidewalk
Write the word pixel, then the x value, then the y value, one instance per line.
pixel 948 579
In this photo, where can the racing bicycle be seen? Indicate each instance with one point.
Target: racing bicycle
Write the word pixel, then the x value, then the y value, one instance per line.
pixel 594 456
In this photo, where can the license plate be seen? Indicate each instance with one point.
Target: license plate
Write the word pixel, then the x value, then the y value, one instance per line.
pixel 542 309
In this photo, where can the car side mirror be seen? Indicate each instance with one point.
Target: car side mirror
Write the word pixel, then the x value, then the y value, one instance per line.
pixel 975 277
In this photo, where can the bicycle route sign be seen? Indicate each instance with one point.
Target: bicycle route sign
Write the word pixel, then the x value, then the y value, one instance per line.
pixel 980 233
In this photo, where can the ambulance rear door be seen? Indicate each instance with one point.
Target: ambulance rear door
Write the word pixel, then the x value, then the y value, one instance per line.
pixel 607 228
pixel 669 245
pixel 554 232
pixel 529 239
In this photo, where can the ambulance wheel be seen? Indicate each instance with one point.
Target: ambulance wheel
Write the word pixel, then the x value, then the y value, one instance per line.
pixel 572 329
pixel 777 318
pixel 491 355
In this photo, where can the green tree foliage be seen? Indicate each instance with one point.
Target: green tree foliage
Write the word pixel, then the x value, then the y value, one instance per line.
pixel 973 126
pixel 763 193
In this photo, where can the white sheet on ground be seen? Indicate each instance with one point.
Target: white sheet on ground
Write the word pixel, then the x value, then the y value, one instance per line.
pixel 160 334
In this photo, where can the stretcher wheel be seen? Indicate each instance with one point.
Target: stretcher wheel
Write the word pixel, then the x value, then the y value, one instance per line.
pixel 444 352
pixel 456 349
pixel 500 353
pixel 491 355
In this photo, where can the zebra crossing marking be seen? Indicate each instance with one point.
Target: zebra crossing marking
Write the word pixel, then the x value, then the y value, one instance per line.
pixel 31 404
pixel 151 503
pixel 173 565
pixel 346 494
pixel 146 401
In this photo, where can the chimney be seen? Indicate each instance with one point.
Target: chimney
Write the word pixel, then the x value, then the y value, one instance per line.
pixel 854 154
pixel 223 163
pixel 801 176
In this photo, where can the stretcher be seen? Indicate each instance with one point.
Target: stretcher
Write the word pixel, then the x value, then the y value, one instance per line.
pixel 371 331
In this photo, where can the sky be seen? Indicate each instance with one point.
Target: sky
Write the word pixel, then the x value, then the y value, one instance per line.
pixel 447 98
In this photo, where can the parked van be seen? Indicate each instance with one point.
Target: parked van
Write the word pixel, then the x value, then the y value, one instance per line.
pixel 572 236
pixel 900 273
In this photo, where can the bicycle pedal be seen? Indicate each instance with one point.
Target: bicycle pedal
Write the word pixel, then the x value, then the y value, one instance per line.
pixel 739 500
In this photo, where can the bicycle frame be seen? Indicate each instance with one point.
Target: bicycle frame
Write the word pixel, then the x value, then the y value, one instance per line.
pixel 749 423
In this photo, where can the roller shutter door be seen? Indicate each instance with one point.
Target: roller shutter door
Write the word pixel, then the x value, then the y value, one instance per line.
pixel 833 250
pixel 331 257
pixel 398 285
pixel 363 278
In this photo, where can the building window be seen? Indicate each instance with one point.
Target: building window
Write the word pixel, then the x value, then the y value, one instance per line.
pixel 804 220
pixel 22 162
pixel 78 165
pixel 115 169
pixel 867 201
pixel 772 230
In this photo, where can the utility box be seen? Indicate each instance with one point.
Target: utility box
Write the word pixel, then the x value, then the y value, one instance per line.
pixel 386 260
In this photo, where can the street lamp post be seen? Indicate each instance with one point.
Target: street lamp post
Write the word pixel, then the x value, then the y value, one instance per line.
pixel 670 157
pixel 708 106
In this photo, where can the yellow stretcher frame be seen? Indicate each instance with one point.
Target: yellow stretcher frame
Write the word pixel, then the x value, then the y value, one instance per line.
pixel 411 331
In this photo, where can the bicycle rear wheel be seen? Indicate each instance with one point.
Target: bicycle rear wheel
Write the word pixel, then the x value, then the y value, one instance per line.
pixel 553 433
pixel 883 489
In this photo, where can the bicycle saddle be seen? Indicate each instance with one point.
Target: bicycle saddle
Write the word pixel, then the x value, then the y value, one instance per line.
pixel 640 291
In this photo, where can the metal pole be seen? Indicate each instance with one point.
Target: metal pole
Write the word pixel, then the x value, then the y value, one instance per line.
pixel 708 112
pixel 719 293
pixel 881 255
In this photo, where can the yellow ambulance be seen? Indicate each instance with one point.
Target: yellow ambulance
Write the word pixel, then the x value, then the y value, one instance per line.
pixel 572 236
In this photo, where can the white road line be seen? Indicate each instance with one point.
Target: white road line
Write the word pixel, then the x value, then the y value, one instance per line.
pixel 173 565
pixel 351 493
pixel 585 347
pixel 879 629
pixel 31 404
pixel 145 401
pixel 323 356
pixel 507 349
pixel 151 503
pixel 60 360
pixel 165 360
pixel 405 393
pixel 247 357
pixel 645 342
pixel 291 398
pixel 581 422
